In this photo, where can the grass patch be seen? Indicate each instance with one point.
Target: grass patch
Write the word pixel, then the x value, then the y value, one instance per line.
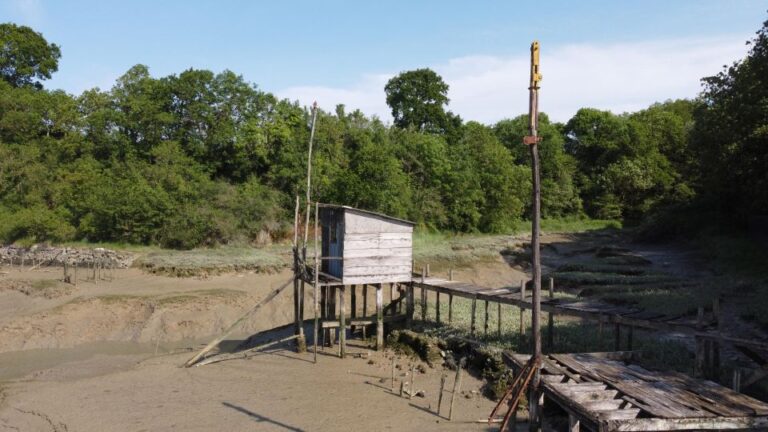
pixel 459 250
pixel 578 278
pixel 603 268
pixel 203 262
pixel 570 225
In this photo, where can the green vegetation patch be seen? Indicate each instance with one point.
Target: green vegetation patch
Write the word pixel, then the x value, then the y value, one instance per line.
pixel 202 262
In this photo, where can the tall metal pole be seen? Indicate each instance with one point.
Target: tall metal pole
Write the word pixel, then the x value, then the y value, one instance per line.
pixel 533 142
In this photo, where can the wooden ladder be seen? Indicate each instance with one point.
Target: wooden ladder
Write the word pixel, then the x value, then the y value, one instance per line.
pixel 514 393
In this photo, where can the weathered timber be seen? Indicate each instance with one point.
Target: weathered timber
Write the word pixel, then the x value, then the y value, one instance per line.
pixel 379 319
pixel 239 321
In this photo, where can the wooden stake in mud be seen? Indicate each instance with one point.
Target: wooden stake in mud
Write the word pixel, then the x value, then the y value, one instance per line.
pixel 456 387
pixel 485 323
pixel 393 374
pixel 442 388
pixel 450 308
pixel 532 141
pixel 412 388
pixel 437 306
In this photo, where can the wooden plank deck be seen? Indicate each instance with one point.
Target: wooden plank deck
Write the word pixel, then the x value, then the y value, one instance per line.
pixel 595 311
pixel 605 393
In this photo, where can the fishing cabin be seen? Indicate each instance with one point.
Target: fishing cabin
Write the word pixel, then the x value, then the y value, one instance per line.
pixel 364 247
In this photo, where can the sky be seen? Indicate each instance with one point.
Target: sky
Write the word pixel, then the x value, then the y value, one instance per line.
pixel 613 55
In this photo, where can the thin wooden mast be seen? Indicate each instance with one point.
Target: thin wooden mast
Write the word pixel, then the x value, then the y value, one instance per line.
pixel 533 142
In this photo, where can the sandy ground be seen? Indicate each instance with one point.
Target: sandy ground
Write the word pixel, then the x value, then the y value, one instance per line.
pixel 277 390
pixel 105 356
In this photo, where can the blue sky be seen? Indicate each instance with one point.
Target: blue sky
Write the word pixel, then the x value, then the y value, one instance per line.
pixel 343 51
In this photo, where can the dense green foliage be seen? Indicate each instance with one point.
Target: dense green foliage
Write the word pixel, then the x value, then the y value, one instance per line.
pixel 203 158
pixel 26 56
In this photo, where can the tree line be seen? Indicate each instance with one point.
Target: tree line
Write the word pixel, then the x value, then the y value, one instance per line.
pixel 202 158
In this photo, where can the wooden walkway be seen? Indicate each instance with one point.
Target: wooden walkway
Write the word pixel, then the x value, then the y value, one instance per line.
pixel 603 392
pixel 601 312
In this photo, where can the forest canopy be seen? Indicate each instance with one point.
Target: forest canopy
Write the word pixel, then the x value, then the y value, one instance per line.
pixel 202 158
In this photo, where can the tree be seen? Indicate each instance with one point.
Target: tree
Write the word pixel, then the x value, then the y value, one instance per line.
pixel 418 99
pixel 25 56
pixel 731 134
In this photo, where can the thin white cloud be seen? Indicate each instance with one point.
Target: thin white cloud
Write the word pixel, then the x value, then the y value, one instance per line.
pixel 618 77
pixel 28 12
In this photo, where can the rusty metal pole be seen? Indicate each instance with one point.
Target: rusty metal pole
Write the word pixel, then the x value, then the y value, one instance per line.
pixel 533 142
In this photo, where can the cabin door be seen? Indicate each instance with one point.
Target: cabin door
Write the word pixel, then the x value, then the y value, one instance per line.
pixel 335 247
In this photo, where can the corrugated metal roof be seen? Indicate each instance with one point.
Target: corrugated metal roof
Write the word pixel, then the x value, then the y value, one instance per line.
pixel 368 212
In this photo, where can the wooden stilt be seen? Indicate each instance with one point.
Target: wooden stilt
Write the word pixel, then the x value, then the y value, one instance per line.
pixel 342 322
pixel 617 338
pixel 442 389
pixel 365 309
pixel 574 425
pixel 301 340
pixel 332 315
pixel 412 387
pixel 437 306
pixel 522 311
pixel 699 364
pixel 409 306
pixel 630 330
pixel 316 282
pixel 353 305
pixel 450 308
pixel 736 379
pixel 379 318
pixel 456 387
pixel 423 295
pixel 498 322
pixel 485 323
pixel 472 325
pixel 392 297
pixel 551 318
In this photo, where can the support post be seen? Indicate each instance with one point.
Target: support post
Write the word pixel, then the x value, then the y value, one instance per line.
pixel 379 318
pixel 456 387
pixel 437 306
pixel 699 364
pixel 522 311
pixel 551 318
pixel 617 337
pixel 409 306
pixel 532 141
pixel 574 425
pixel 353 305
pixel 332 315
pixel 450 308
pixel 423 295
pixel 392 297
pixel 474 309
pixel 485 323
pixel 314 285
pixel 365 309
pixel 342 322
pixel 737 379
pixel 498 322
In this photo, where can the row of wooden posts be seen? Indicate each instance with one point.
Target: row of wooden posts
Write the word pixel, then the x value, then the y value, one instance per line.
pixel 408 389
pixel 96 270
